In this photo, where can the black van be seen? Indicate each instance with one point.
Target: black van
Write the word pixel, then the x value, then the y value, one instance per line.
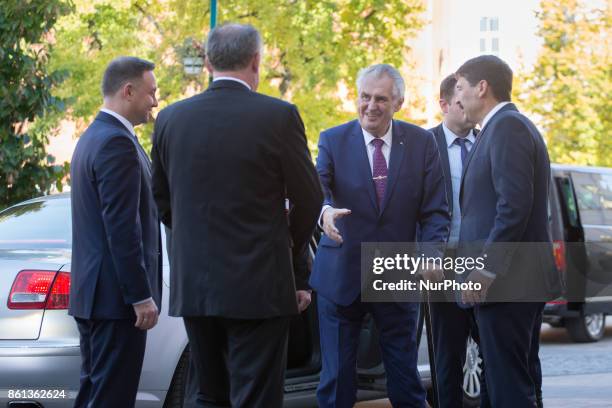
pixel 581 215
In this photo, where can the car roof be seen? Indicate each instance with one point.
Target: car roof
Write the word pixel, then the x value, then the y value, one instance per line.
pixel 582 169
pixel 49 197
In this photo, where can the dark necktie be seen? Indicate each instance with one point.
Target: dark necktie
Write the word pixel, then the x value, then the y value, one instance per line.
pixel 462 143
pixel 379 169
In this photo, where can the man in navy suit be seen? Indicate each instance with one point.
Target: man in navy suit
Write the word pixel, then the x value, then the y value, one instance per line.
pixel 115 291
pixel 381 179
pixel 504 199
pixel 452 325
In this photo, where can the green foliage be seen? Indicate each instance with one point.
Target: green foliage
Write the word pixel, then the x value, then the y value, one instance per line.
pixel 28 110
pixel 570 87
pixel 313 49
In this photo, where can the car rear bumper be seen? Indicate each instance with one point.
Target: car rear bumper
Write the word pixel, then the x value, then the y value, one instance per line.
pixel 29 370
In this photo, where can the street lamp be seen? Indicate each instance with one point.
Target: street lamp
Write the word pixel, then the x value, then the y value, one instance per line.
pixel 192 53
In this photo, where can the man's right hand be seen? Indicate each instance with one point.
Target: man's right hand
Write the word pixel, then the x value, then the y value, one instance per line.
pixel 329 222
pixel 432 274
pixel 146 315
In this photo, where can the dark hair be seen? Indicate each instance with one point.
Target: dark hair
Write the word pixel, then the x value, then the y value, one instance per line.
pixel 491 69
pixel 447 87
pixel 121 70
pixel 231 46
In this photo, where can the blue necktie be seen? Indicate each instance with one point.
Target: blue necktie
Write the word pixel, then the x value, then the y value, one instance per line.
pixel 462 143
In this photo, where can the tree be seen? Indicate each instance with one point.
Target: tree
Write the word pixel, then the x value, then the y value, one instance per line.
pixel 570 85
pixel 27 108
pixel 313 49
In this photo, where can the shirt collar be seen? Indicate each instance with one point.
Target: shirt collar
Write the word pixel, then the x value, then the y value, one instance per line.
pixel 450 136
pixel 493 112
pixel 227 78
pixel 121 119
pixel 387 138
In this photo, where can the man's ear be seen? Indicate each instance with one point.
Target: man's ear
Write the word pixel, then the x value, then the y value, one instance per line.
pixel 443 106
pixel 400 102
pixel 255 62
pixel 127 91
pixel 208 65
pixel 483 88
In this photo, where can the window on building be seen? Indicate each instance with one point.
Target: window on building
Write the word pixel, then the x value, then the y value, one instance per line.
pixel 489 40
pixel 495 44
pixel 493 24
pixel 483 23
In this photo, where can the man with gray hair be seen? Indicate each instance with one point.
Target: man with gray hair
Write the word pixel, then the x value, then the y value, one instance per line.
pixel 382 178
pixel 224 161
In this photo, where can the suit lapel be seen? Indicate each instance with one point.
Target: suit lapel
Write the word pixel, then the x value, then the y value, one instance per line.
pixel 398 146
pixel 438 132
pixel 364 171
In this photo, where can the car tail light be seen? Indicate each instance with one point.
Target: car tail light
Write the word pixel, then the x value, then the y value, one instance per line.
pixel 559 252
pixel 60 292
pixel 36 289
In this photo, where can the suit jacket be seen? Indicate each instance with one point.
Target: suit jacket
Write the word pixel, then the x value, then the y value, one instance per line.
pixel 223 163
pixel 414 196
pixel 504 199
pixel 116 243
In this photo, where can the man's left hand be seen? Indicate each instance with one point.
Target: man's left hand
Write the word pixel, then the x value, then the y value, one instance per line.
pixel 303 299
pixel 477 296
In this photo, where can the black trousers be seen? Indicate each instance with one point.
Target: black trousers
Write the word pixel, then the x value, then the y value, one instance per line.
pixel 451 326
pixel 239 362
pixel 111 362
pixel 510 343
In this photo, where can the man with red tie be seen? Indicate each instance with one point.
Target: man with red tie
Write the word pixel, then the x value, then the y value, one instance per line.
pixel 382 179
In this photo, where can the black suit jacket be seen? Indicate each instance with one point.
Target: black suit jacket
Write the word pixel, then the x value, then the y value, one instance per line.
pixel 223 163
pixel 504 199
pixel 116 259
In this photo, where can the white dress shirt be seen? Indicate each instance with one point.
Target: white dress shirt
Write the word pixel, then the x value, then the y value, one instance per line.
pixel 456 168
pixel 227 78
pixel 121 119
pixel 493 112
pixel 386 146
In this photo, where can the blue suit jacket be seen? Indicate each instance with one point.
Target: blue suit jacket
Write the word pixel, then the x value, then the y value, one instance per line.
pixel 116 258
pixel 504 199
pixel 415 195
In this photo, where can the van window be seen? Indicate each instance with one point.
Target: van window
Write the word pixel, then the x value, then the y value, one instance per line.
pixel 567 197
pixel 594 194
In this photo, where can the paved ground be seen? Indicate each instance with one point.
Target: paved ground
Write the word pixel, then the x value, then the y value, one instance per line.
pixel 575 375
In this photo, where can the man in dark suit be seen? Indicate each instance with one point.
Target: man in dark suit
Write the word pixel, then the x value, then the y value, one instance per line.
pixel 115 292
pixel 452 325
pixel 381 178
pixel 504 199
pixel 224 161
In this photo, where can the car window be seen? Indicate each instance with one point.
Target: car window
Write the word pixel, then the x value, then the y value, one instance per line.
pixel 567 197
pixel 41 224
pixel 594 194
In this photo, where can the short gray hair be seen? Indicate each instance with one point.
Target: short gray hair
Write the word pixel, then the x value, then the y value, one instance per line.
pixel 122 70
pixel 231 46
pixel 378 70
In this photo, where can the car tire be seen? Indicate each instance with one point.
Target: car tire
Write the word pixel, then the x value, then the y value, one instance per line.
pixel 472 372
pixel 586 328
pixel 176 393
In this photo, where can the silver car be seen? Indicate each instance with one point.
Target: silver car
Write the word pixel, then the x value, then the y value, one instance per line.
pixel 39 342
